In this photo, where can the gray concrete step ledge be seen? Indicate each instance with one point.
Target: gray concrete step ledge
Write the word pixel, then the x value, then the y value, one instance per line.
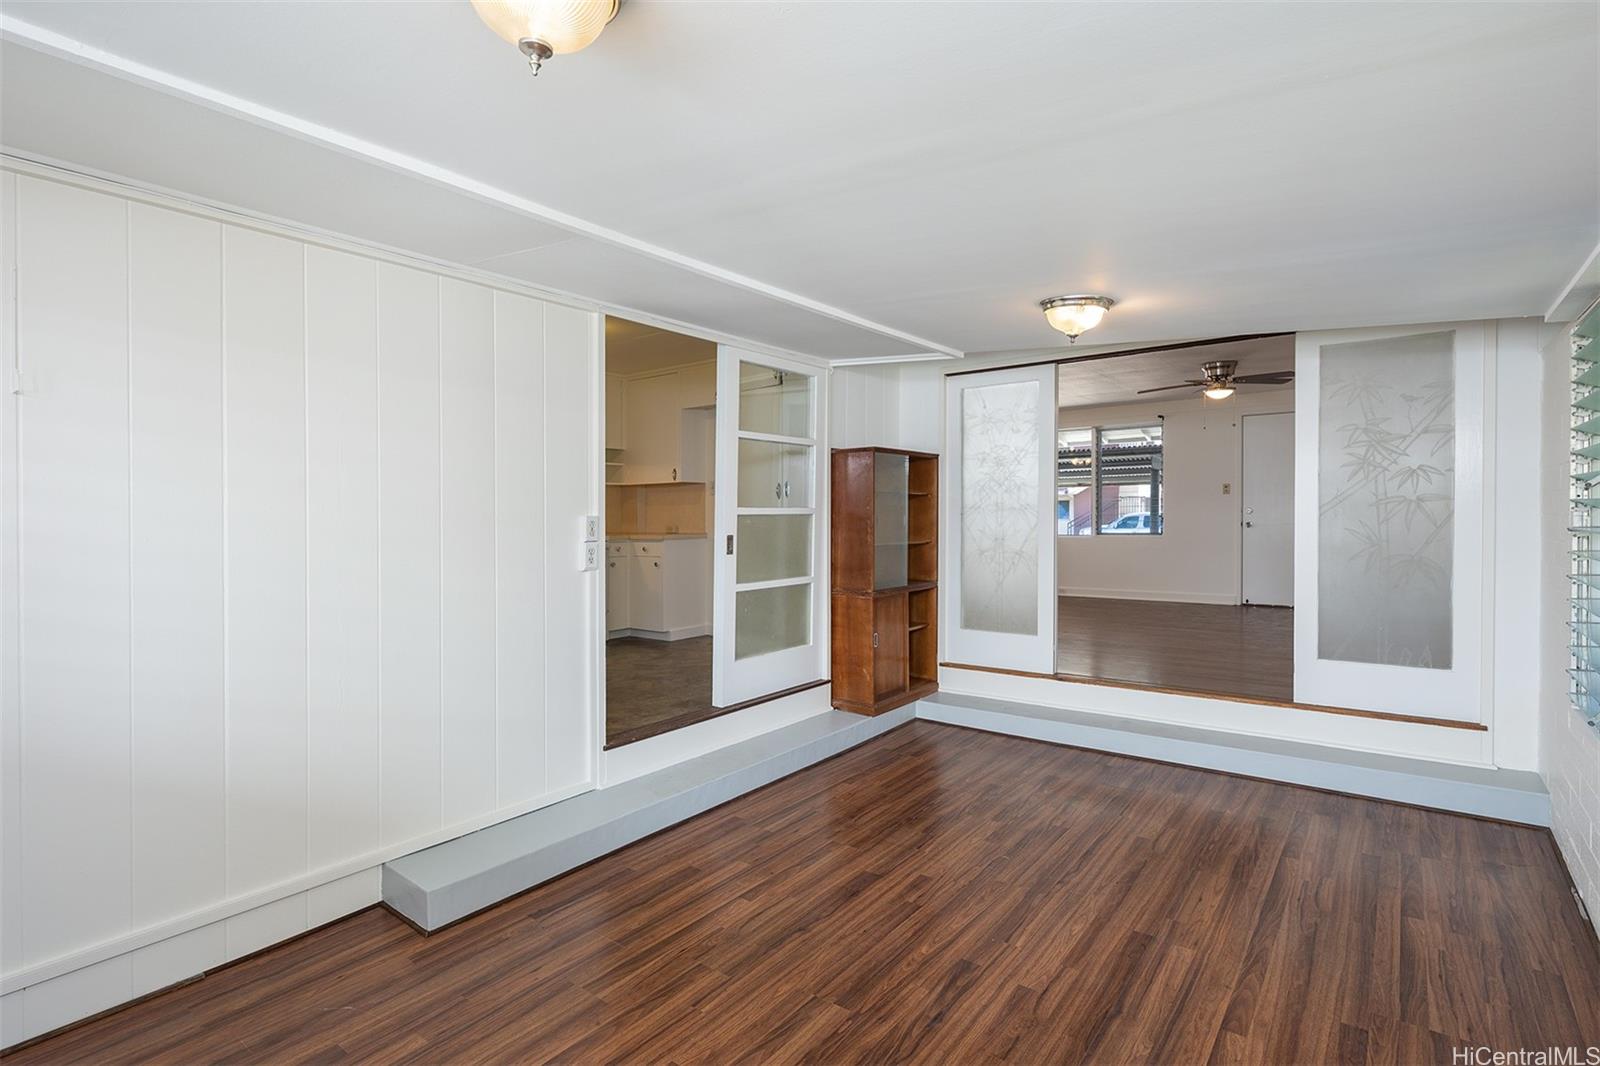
pixel 1509 795
pixel 448 882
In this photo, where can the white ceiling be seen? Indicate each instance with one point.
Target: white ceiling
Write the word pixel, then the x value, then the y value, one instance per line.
pixel 634 348
pixel 875 179
pixel 1119 379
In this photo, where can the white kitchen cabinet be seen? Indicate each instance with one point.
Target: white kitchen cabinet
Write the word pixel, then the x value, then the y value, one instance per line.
pixel 697 385
pixel 616 586
pixel 654 440
pixel 664 588
pixel 647 608
pixel 667 415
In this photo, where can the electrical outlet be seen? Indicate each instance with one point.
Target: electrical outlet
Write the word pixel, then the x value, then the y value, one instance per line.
pixel 1227 488
pixel 591 555
pixel 591 527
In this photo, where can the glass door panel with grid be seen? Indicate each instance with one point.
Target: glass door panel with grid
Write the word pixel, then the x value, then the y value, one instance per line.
pixel 768 590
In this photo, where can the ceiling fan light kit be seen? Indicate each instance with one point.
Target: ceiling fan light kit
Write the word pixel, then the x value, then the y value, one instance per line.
pixel 1219 380
pixel 545 28
pixel 1075 315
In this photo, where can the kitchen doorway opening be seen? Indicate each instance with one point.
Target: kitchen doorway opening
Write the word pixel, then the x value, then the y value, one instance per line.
pixel 714 558
pixel 660 473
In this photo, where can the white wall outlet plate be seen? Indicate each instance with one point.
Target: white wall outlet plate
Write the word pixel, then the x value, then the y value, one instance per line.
pixel 591 527
pixel 591 555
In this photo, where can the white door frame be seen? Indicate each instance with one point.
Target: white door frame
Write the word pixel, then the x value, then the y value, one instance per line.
pixel 1034 652
pixel 1460 692
pixel 734 680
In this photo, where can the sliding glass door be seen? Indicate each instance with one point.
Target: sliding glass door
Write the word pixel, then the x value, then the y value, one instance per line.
pixel 770 597
pixel 1000 488
pixel 1390 563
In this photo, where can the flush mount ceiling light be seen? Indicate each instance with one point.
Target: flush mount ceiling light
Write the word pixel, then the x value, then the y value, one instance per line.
pixel 545 28
pixel 1074 315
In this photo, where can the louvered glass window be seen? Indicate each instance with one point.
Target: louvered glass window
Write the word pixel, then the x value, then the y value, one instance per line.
pixel 1585 526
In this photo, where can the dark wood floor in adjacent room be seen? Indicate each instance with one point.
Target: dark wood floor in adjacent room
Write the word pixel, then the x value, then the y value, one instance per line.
pixel 1194 647
pixel 654 686
pixel 948 896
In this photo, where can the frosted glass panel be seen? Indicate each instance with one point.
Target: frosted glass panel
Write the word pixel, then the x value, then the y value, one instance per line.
pixel 1386 500
pixel 774 401
pixel 774 475
pixel 768 620
pixel 773 546
pixel 1000 435
pixel 890 480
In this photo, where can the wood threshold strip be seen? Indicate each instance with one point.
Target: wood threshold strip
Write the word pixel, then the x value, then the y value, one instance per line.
pixel 667 725
pixel 1387 716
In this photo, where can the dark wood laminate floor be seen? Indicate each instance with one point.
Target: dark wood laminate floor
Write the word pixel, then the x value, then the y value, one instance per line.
pixel 1199 647
pixel 653 686
pixel 946 896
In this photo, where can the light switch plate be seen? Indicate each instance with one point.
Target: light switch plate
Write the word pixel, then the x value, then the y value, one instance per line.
pixel 591 527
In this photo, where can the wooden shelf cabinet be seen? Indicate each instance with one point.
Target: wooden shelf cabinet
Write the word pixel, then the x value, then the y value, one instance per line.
pixel 885 579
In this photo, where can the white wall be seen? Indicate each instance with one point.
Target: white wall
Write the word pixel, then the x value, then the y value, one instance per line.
pixel 864 407
pixel 1570 749
pixel 1196 558
pixel 290 579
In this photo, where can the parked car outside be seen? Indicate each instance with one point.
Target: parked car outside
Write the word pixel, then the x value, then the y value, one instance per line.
pixel 1131 523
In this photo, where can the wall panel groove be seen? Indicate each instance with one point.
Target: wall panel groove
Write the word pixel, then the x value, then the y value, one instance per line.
pixel 287 554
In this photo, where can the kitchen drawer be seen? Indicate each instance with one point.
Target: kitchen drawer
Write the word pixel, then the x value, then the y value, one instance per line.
pixel 649 549
pixel 617 548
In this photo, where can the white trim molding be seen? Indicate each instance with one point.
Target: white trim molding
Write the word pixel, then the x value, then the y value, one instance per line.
pixel 56 44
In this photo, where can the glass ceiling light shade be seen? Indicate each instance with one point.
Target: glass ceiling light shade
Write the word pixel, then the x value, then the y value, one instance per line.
pixel 1219 392
pixel 1075 315
pixel 545 28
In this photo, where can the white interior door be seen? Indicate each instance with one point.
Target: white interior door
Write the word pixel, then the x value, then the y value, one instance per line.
pixel 771 601
pixel 1000 569
pixel 1267 510
pixel 1390 560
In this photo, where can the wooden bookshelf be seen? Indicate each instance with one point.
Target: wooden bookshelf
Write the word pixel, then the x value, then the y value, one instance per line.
pixel 885 580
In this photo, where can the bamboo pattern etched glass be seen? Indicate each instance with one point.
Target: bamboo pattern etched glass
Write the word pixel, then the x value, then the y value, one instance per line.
pixel 1585 522
pixel 999 509
pixel 1386 501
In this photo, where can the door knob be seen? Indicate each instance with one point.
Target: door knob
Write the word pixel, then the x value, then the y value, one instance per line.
pixel 1248 525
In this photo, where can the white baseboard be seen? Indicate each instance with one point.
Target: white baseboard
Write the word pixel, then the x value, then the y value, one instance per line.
pixel 84 992
pixel 1482 791
pixel 1147 594
pixel 256 901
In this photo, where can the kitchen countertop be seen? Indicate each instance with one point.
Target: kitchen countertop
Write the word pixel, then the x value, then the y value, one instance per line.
pixel 657 536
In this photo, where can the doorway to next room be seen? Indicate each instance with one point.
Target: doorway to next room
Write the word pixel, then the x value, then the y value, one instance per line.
pixel 1175 520
pixel 660 394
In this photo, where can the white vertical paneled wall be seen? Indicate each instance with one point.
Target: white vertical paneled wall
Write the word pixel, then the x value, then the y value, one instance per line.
pixel 864 406
pixel 291 583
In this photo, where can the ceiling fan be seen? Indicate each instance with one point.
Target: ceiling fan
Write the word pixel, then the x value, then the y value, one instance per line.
pixel 1220 380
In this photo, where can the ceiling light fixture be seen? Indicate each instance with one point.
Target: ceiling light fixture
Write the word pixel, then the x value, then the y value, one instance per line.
pixel 545 28
pixel 1219 392
pixel 1075 315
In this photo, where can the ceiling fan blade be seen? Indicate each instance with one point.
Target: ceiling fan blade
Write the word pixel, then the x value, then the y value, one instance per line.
pixel 1282 377
pixel 1169 388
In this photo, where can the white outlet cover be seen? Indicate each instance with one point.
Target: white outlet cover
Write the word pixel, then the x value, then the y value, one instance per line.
pixel 591 527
